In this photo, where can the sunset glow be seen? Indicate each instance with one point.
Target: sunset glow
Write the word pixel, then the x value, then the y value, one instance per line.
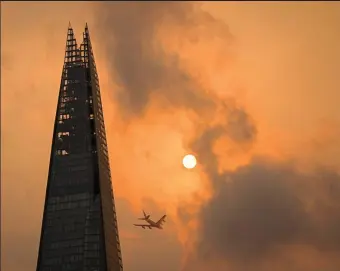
pixel 222 115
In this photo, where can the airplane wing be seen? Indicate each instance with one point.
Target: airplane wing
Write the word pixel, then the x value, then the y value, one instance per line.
pixel 143 226
pixel 161 220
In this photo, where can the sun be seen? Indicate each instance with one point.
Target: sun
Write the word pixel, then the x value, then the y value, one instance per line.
pixel 189 161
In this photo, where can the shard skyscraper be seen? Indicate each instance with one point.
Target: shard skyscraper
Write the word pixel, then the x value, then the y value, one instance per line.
pixel 79 228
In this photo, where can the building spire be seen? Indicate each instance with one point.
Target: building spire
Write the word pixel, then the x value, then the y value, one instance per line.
pixel 87 33
pixel 72 54
pixel 86 36
pixel 70 33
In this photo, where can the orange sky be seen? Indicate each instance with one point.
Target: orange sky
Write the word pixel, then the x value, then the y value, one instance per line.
pixel 228 81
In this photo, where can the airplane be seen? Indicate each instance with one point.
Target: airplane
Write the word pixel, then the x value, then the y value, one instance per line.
pixel 152 224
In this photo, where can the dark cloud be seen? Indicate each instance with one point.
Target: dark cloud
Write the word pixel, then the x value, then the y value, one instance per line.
pixel 237 125
pixel 139 63
pixel 142 68
pixel 263 206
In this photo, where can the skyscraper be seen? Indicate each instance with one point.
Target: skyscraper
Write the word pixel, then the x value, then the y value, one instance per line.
pixel 79 228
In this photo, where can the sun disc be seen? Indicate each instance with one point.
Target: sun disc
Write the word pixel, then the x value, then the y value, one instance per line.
pixel 189 161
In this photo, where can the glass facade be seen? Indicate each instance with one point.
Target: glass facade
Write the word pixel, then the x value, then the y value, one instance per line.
pixel 79 228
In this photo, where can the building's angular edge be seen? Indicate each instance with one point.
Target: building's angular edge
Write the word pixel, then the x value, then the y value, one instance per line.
pixel 112 242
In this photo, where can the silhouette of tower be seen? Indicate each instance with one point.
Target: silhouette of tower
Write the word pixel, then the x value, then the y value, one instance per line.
pixel 79 227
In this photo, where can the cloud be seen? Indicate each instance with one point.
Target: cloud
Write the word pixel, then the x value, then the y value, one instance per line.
pixel 265 208
pixel 150 68
pixel 156 73
pixel 237 125
pixel 139 62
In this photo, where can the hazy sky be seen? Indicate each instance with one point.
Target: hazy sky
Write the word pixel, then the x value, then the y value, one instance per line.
pixel 252 89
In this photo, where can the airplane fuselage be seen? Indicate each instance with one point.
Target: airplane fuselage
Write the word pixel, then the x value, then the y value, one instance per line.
pixel 153 224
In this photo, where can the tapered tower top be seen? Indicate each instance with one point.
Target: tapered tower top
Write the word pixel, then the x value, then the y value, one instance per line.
pixel 78 55
pixel 79 227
